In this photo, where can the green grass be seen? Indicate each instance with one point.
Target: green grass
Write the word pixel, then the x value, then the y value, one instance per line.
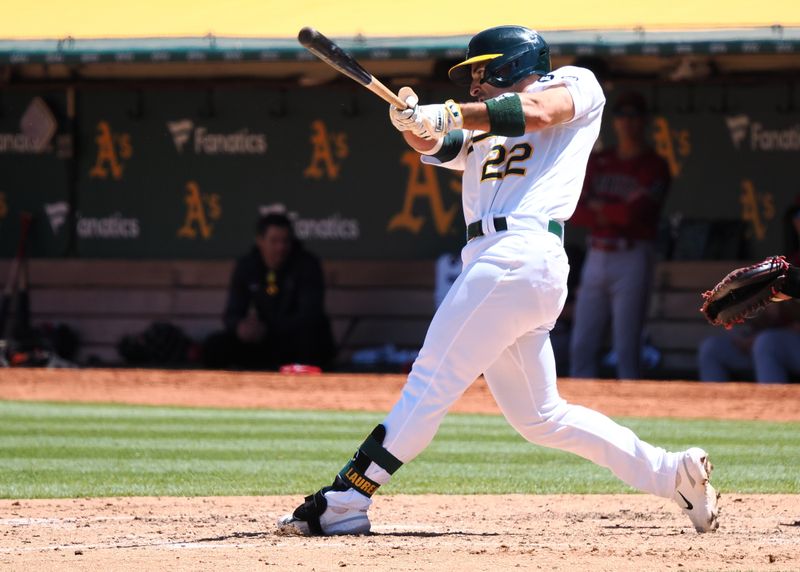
pixel 50 450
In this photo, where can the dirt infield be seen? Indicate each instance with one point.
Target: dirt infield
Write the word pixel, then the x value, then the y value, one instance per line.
pixel 430 532
pixel 597 532
pixel 379 392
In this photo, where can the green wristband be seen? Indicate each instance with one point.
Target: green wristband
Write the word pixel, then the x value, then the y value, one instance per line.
pixel 505 115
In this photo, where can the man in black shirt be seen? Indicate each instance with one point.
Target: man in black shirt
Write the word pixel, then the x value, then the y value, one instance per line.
pixel 275 310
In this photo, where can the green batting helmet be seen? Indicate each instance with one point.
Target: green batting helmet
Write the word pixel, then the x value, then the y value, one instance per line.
pixel 511 52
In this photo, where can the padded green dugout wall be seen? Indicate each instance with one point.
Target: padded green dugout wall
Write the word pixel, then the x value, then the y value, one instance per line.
pixel 183 173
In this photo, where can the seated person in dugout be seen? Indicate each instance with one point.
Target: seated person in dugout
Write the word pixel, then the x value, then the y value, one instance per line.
pixel 275 309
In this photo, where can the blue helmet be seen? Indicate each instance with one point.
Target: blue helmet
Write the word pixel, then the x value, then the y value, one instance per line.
pixel 511 52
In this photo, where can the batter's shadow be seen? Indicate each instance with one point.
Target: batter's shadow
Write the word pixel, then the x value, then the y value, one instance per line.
pixel 629 527
pixel 222 538
pixel 423 534
pixel 233 536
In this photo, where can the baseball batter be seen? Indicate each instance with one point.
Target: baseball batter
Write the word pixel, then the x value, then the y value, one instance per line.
pixel 523 147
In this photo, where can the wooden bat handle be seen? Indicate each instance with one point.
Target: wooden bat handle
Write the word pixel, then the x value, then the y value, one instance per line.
pixel 385 93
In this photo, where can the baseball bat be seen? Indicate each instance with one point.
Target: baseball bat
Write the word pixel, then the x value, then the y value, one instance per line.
pixel 12 284
pixel 341 61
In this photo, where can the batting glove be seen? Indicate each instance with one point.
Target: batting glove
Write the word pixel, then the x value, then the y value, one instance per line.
pixel 408 119
pixel 441 118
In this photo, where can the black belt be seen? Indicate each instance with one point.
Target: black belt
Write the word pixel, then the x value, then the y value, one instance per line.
pixel 475 229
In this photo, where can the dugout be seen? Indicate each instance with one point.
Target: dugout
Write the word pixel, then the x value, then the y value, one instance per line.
pixel 156 153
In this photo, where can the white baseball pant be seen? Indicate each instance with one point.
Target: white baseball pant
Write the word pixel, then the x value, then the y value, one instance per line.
pixel 496 320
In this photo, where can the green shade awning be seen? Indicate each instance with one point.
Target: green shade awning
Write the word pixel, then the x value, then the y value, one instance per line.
pixel 771 40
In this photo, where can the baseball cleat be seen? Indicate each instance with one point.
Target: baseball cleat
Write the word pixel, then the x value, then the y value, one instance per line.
pixel 318 517
pixel 693 491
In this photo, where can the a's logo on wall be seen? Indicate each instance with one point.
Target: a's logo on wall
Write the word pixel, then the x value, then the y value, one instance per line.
pixel 57 214
pixel 204 142
pixel 757 209
pixel 742 128
pixel 329 149
pixel 201 208
pixel 113 149
pixel 738 126
pixel 674 145
pixel 423 183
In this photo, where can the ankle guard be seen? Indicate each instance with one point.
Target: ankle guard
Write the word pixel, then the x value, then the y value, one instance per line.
pixel 353 474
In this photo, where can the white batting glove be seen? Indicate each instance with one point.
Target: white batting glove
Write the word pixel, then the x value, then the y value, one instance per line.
pixel 441 118
pixel 407 119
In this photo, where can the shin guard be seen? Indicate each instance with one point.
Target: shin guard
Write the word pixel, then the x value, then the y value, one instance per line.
pixel 353 474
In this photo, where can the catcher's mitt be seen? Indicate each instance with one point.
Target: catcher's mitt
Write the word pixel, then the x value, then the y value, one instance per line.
pixel 744 292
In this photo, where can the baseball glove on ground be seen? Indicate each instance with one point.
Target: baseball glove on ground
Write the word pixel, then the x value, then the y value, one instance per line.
pixel 744 292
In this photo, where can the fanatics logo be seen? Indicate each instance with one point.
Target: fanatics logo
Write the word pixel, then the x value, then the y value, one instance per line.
pixel 762 138
pixel 241 142
pixel 181 130
pixel 57 214
pixel 738 126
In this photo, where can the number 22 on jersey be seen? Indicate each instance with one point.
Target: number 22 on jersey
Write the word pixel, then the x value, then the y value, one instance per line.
pixel 502 162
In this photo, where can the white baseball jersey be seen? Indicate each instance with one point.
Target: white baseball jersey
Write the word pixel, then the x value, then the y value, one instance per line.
pixel 538 173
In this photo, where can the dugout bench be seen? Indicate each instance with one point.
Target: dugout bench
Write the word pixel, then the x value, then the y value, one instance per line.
pixel 371 303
